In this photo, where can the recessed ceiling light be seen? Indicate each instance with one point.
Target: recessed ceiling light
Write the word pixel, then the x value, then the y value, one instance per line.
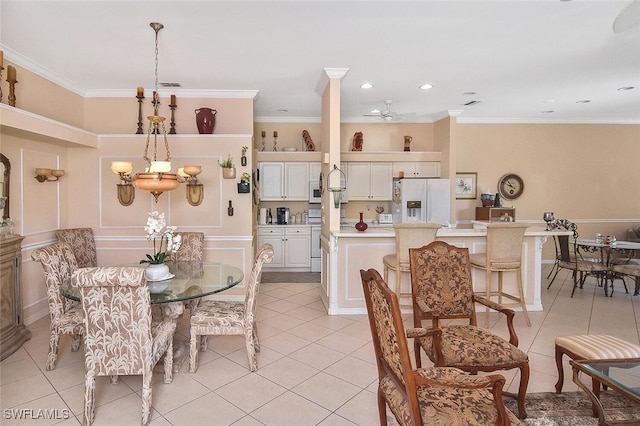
pixel 468 93
pixel 375 111
pixel 283 110
pixel 626 88
pixel 426 86
pixel 471 103
pixel 170 84
pixel 583 101
pixel 366 86
pixel 548 112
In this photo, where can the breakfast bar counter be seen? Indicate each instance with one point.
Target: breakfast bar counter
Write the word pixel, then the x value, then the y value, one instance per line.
pixel 363 250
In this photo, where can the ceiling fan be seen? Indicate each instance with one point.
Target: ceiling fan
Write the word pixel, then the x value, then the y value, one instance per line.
pixel 628 17
pixel 386 114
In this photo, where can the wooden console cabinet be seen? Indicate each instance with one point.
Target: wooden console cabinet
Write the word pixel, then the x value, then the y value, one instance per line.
pixel 494 213
pixel 12 331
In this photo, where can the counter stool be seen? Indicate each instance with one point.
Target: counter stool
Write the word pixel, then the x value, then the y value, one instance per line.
pixel 592 346
pixel 504 254
pixel 408 235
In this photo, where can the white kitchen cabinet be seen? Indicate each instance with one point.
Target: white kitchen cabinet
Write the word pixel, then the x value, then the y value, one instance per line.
pixel 370 181
pixel 419 169
pixel 314 170
pixel 291 246
pixel 284 181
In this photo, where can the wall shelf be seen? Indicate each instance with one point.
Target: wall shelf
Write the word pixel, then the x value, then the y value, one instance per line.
pixel 21 123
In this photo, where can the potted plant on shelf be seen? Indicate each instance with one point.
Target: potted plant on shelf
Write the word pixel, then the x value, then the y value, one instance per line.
pixel 243 158
pixel 228 168
pixel 244 187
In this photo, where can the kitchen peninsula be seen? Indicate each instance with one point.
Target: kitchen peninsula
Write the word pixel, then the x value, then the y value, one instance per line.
pixel 364 250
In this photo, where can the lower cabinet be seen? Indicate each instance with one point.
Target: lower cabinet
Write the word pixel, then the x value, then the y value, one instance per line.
pixel 291 246
pixel 12 331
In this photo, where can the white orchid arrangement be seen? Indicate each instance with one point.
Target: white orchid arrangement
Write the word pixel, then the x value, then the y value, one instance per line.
pixel 169 243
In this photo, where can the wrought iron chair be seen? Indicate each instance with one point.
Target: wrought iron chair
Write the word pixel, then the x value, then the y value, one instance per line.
pixel 433 396
pixel 442 290
pixel 58 263
pixel 120 339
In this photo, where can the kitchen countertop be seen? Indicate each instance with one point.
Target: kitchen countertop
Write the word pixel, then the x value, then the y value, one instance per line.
pixel 372 232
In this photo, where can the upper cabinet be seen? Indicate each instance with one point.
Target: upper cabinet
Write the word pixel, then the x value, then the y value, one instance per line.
pixel 427 169
pixel 284 181
pixel 370 181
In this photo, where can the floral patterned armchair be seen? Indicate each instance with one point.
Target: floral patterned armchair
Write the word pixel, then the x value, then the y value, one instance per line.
pixel 120 339
pixel 433 396
pixel 59 262
pixel 215 317
pixel 442 289
pixel 82 243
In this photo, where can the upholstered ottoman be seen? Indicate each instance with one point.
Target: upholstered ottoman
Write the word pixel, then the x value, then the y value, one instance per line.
pixel 591 347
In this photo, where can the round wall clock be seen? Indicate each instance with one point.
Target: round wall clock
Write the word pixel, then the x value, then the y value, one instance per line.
pixel 510 186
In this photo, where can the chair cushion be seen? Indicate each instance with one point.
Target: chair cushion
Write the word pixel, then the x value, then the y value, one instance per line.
pixel 443 405
pixel 71 321
pixel 219 314
pixel 468 346
pixel 479 260
pixel 628 269
pixel 594 346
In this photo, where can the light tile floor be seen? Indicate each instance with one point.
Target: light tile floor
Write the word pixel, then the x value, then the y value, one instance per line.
pixel 314 369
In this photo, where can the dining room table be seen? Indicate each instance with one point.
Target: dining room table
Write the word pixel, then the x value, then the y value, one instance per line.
pixel 624 251
pixel 187 283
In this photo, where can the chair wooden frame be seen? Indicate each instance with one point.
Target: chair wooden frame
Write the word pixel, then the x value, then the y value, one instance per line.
pixel 442 290
pixel 437 395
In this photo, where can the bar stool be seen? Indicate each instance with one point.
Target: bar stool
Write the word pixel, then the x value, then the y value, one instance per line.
pixel 408 235
pixel 504 254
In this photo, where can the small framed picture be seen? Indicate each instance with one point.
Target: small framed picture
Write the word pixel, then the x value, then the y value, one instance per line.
pixel 466 185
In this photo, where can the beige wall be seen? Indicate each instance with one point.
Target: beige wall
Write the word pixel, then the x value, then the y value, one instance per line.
pixel 586 173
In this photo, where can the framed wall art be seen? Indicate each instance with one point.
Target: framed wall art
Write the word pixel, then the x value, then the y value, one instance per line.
pixel 466 185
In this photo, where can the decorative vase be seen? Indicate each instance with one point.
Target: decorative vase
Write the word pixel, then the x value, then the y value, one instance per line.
pixel 229 172
pixel 407 143
pixel 244 188
pixel 205 120
pixel 156 272
pixel 361 226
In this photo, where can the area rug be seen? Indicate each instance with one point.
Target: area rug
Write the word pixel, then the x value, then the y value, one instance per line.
pixel 573 408
pixel 290 277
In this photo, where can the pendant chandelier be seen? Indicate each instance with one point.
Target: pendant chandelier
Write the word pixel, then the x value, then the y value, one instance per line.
pixel 157 177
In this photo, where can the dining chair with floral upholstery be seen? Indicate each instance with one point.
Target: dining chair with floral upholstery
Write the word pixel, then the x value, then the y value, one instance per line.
pixel 443 290
pixel 67 317
pixel 191 245
pixel 425 396
pixel 83 244
pixel 216 317
pixel 119 337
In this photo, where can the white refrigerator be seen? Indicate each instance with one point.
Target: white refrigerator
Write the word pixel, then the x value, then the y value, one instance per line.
pixel 421 200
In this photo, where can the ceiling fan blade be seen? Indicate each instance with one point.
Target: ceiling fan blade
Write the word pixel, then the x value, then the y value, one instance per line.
pixel 628 18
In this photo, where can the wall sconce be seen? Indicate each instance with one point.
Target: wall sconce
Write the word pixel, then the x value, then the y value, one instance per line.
pixel 195 190
pixel 126 191
pixel 48 175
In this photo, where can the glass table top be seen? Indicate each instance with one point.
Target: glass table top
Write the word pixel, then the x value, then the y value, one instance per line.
pixel 191 280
